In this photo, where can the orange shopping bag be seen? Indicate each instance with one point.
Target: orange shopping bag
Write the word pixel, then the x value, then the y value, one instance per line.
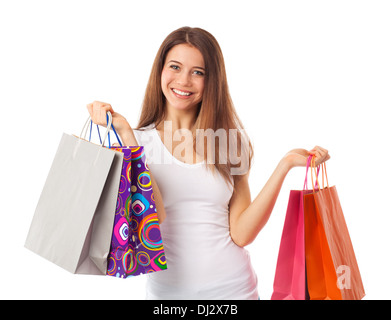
pixel 321 275
pixel 332 269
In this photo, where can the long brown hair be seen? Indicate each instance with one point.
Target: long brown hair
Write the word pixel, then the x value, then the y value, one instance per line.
pixel 215 111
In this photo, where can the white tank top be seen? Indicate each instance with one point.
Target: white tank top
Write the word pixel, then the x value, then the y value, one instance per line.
pixel 202 260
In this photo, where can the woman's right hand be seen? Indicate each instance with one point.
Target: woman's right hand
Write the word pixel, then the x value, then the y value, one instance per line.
pixel 98 111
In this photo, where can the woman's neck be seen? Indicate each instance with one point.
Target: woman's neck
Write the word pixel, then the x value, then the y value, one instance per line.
pixel 179 119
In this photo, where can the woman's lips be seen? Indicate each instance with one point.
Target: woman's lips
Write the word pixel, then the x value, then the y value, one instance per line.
pixel 182 94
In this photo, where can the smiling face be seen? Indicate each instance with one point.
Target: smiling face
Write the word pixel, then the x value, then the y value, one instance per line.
pixel 182 77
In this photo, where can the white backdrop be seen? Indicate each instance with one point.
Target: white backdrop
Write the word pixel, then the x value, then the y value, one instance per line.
pixel 301 73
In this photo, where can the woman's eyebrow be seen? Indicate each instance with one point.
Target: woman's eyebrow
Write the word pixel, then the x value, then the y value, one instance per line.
pixel 181 63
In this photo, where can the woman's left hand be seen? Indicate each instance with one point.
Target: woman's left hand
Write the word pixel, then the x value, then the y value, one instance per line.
pixel 298 157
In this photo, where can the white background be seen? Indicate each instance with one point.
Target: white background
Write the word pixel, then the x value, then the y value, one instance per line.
pixel 301 73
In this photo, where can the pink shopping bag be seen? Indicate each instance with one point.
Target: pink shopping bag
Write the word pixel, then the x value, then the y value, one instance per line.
pixel 289 279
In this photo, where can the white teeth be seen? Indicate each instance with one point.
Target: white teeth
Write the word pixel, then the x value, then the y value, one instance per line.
pixel 181 92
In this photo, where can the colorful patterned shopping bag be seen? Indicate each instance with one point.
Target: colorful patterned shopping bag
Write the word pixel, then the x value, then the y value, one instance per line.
pixel 136 245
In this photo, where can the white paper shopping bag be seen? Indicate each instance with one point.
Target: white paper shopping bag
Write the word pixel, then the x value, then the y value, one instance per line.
pixel 73 221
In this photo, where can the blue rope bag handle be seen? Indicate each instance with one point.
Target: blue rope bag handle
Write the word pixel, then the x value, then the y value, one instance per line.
pixel 100 139
pixel 115 132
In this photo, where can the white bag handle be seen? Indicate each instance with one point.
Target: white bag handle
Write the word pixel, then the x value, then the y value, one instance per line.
pixel 87 125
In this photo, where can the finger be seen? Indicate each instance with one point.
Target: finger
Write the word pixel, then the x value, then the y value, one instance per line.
pixel 321 150
pixel 99 112
pixel 318 158
pixel 324 158
pixel 326 155
pixel 95 116
pixel 89 108
pixel 99 105
pixel 314 149
pixel 103 113
pixel 103 109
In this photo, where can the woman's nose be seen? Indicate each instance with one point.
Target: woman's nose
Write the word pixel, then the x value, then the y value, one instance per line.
pixel 184 79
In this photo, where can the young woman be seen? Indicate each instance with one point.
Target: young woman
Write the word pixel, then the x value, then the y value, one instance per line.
pixel 201 191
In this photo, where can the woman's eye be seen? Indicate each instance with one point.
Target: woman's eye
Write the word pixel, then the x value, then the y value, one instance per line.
pixel 197 72
pixel 175 67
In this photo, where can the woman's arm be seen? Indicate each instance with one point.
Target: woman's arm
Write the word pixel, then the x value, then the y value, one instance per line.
pixel 248 218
